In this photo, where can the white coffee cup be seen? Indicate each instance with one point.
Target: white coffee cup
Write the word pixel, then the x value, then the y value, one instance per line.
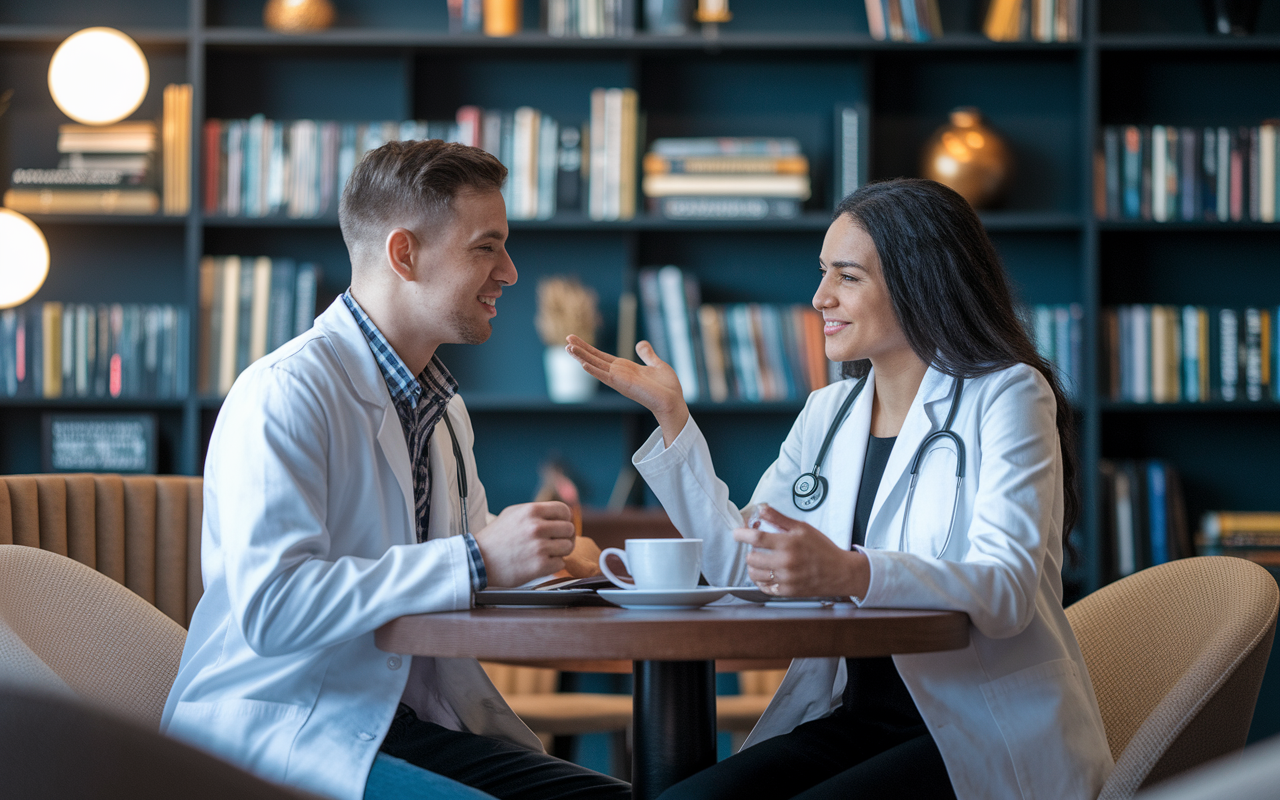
pixel 657 564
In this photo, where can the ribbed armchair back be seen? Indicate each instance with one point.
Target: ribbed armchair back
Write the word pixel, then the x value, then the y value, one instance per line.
pixel 141 531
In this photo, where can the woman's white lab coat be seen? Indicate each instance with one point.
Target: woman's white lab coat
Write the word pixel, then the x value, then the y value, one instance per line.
pixel 1013 714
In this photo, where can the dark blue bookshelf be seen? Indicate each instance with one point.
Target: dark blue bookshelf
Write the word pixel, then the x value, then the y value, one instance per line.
pixel 777 69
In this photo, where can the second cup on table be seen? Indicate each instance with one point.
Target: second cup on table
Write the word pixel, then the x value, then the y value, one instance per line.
pixel 657 564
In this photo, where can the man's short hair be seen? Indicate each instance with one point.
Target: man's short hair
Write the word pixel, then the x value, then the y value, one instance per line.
pixel 410 181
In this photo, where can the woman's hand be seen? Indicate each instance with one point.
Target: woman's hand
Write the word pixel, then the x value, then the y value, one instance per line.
pixel 801 561
pixel 653 385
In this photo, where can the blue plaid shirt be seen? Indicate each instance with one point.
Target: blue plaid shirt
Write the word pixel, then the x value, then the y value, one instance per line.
pixel 420 403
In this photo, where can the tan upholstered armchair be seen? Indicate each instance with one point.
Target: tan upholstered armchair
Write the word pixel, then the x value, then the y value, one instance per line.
pixel 141 531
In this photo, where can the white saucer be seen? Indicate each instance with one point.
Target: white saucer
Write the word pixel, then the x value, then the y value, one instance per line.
pixel 658 599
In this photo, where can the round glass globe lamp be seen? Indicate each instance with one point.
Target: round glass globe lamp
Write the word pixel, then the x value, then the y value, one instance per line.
pixel 98 76
pixel 24 258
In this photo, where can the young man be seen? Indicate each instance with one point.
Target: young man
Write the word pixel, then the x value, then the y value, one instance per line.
pixel 332 507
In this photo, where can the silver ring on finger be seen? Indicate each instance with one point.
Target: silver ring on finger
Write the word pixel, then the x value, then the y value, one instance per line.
pixel 773 578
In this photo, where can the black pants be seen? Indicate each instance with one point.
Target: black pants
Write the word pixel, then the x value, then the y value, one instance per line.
pixel 502 769
pixel 840 756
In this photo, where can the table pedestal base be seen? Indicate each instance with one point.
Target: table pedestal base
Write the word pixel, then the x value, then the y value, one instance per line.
pixel 663 752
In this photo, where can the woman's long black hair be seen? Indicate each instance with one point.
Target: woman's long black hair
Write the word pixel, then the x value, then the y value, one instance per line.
pixel 952 297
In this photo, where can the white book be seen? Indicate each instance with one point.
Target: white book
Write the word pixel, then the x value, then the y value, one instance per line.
pixel 598 160
pixel 675 315
pixel 1159 187
pixel 1229 353
pixel 1141 332
pixel 524 157
pixel 277 172
pixel 613 153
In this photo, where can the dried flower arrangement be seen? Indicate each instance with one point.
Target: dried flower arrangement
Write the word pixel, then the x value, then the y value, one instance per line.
pixel 566 307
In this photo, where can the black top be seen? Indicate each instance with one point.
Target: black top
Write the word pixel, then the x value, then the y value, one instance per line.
pixel 875 692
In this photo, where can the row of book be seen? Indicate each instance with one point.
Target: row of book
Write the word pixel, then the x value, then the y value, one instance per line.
pixel 1058 334
pixel 1032 20
pixel 111 169
pixel 904 20
pixel 261 168
pixel 583 18
pixel 722 177
pixel 248 308
pixel 591 19
pixel 1169 354
pixel 1144 516
pixel 115 350
pixel 1165 173
pixel 739 351
pixel 1254 535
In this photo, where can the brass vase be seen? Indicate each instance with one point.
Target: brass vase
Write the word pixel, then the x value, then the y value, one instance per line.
pixel 969 157
pixel 297 16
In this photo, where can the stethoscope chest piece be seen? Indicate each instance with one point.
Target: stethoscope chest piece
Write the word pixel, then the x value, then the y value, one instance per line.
pixel 809 491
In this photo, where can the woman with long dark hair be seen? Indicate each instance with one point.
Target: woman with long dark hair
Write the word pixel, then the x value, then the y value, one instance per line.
pixel 949 482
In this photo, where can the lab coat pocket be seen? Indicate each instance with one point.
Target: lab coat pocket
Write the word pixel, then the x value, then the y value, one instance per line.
pixel 1044 714
pixel 937 492
pixel 254 734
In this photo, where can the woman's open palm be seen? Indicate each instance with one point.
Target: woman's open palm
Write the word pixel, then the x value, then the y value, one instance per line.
pixel 653 384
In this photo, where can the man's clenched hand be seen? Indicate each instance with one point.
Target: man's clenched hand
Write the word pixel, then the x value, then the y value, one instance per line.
pixel 526 541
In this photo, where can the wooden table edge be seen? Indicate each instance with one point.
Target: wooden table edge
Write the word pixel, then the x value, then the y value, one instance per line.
pixel 490 635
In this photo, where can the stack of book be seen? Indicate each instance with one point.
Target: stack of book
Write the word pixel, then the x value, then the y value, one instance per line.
pixel 612 155
pixel 1058 334
pixel 102 170
pixel 1033 20
pixel 740 351
pixel 1169 354
pixel 248 308
pixel 726 178
pixel 1167 173
pixel 904 20
pixel 590 19
pixel 1144 516
pixel 1254 535
pixel 57 349
pixel 110 169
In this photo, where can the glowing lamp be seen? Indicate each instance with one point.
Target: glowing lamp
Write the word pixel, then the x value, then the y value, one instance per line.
pixel 98 76
pixel 24 258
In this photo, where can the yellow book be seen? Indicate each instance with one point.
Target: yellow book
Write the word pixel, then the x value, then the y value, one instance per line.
pixel 258 311
pixel 1003 20
pixel 82 201
pixel 51 348
pixel 230 323
pixel 627 167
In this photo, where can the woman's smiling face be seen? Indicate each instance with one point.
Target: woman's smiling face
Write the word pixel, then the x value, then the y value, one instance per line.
pixel 858 317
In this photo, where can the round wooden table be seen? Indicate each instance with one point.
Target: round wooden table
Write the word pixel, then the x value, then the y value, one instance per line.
pixel 674 712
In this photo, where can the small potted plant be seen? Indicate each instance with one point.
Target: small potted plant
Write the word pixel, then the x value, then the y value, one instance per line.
pixel 566 307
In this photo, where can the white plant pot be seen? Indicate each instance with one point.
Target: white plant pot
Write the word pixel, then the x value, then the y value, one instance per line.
pixel 567 381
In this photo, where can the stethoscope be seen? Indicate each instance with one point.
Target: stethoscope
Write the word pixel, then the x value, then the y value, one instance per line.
pixel 462 473
pixel 810 489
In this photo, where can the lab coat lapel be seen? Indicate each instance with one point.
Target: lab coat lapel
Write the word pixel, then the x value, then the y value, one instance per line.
pixel 922 419
pixel 362 369
pixel 844 461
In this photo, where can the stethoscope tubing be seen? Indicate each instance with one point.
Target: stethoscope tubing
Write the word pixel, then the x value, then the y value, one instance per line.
pixel 814 483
